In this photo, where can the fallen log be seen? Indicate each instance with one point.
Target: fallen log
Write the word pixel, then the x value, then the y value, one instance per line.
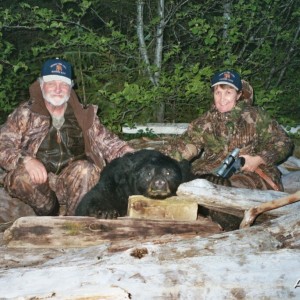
pixel 254 263
pixel 60 232
pixel 67 232
pixel 233 201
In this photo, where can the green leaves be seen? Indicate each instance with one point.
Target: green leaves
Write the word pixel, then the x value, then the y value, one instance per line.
pixel 257 38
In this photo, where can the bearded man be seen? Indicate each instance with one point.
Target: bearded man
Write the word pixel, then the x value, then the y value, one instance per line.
pixel 52 148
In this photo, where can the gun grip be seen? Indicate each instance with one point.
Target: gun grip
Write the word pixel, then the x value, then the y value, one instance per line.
pixel 242 161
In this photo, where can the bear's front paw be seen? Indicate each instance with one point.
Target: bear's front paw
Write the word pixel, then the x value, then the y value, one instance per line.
pixel 216 179
pixel 107 214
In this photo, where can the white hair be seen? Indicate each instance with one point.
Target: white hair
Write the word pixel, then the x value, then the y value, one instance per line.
pixel 41 81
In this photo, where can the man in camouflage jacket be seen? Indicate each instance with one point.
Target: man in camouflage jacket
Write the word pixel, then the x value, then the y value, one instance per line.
pixel 53 148
pixel 262 142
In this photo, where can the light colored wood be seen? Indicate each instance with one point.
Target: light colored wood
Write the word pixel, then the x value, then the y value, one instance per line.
pixel 260 262
pixel 157 128
pixel 233 201
pixel 68 232
pixel 172 208
pixel 131 259
pixel 251 214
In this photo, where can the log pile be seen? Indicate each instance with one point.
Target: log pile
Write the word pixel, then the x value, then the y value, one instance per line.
pixel 254 263
pixel 86 258
pixel 76 232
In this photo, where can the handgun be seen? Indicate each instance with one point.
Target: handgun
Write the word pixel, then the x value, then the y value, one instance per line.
pixel 231 164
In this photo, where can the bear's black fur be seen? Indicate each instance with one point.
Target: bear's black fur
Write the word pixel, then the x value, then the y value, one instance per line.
pixel 146 172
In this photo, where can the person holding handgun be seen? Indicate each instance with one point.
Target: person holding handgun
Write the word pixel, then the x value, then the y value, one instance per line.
pixel 234 123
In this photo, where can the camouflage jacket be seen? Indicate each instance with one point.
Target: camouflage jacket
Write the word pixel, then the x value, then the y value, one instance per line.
pixel 246 127
pixel 27 126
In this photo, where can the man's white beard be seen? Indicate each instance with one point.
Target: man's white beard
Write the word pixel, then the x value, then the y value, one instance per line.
pixel 49 99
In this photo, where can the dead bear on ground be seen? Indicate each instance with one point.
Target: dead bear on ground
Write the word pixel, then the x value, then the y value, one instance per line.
pixel 145 172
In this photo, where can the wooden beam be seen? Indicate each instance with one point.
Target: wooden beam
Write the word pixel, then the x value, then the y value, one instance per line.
pixel 64 232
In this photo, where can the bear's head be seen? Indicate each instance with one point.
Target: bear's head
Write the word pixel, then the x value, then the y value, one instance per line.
pixel 159 176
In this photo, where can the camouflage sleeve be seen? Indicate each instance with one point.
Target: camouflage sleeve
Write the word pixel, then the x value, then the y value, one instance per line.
pixel 11 133
pixel 105 143
pixel 179 148
pixel 274 145
pixel 186 146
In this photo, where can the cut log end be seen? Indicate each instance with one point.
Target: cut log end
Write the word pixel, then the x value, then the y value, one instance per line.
pixel 173 208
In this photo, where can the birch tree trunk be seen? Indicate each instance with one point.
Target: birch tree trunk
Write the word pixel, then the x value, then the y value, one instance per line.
pixel 153 72
pixel 142 43
pixel 227 17
pixel 158 54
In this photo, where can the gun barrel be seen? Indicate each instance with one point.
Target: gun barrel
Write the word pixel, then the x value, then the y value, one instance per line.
pixel 222 170
pixel 235 152
pixel 230 164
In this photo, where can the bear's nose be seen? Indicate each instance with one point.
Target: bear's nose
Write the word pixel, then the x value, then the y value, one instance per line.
pixel 159 184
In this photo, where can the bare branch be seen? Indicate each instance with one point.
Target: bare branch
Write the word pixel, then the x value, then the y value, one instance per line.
pixel 98 16
pixel 174 9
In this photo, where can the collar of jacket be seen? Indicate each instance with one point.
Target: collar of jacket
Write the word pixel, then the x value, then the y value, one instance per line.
pixel 84 116
pixel 235 113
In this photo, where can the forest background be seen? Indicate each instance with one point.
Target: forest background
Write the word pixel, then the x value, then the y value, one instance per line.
pixel 151 60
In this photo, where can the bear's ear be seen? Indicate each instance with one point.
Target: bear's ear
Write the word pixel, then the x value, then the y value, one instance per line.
pixel 186 170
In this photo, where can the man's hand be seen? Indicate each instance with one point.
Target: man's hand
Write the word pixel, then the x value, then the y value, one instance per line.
pixel 36 170
pixel 252 162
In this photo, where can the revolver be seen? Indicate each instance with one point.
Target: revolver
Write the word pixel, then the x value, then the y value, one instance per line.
pixel 231 164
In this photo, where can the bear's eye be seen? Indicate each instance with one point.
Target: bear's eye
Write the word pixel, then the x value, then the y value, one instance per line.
pixel 148 176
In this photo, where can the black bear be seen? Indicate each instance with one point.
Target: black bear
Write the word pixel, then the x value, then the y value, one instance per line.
pixel 145 172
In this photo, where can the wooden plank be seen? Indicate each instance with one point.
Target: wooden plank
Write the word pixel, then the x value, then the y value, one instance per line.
pixel 55 232
pixel 172 208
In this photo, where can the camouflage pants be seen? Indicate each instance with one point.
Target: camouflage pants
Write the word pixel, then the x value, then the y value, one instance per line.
pixel 63 190
pixel 250 180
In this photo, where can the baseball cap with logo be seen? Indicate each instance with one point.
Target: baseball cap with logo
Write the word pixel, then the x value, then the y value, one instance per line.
pixel 229 77
pixel 57 69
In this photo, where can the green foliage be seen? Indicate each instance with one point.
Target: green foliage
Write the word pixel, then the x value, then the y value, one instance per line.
pixel 185 93
pixel 254 37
